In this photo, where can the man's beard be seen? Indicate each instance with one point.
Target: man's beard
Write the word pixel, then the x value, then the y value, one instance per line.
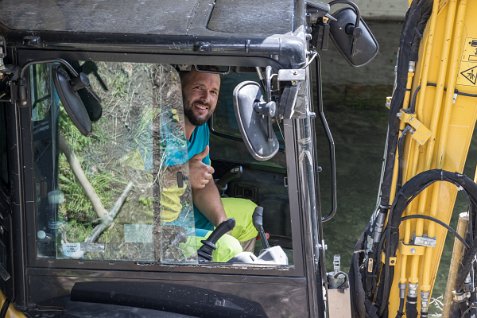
pixel 193 119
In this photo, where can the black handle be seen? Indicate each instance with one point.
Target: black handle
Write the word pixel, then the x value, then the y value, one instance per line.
pixel 208 245
pixel 331 144
pixel 233 174
pixel 223 228
pixel 257 219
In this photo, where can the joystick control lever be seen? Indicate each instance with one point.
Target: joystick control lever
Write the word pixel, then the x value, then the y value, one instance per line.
pixel 208 245
pixel 257 219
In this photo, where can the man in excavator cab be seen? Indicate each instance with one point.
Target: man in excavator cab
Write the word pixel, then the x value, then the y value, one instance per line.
pixel 97 189
pixel 200 91
pixel 92 108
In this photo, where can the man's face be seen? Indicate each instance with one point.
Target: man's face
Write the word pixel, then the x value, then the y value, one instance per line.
pixel 200 92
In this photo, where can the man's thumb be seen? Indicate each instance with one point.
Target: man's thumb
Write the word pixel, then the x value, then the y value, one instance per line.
pixel 203 154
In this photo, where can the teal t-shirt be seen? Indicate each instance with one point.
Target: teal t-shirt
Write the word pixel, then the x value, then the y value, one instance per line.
pixel 196 144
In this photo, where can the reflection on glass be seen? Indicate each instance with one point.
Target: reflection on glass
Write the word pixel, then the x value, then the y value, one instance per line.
pixel 123 193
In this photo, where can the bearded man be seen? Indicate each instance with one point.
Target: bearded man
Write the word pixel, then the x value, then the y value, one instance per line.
pixel 200 92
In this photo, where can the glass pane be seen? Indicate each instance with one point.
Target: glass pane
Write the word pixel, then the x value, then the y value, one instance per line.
pixel 124 192
pixel 108 196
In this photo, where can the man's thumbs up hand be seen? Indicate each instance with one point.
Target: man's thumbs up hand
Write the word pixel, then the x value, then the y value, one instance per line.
pixel 199 173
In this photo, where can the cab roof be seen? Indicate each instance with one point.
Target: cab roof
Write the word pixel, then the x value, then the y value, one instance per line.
pixel 150 17
pixel 192 27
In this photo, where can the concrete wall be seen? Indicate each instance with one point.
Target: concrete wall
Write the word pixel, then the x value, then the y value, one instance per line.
pixel 367 85
pixel 382 9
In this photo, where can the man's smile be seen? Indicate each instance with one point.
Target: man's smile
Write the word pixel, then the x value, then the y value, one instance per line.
pixel 201 107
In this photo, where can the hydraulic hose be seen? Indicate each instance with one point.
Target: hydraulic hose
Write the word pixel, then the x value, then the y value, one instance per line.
pixel 411 307
pixel 415 21
pixel 400 312
pixel 407 193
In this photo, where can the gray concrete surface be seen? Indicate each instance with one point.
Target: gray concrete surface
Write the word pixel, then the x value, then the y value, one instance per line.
pixel 342 81
pixel 369 84
pixel 383 9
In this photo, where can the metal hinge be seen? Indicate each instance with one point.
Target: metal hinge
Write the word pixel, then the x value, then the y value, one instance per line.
pixel 292 75
pixel 420 133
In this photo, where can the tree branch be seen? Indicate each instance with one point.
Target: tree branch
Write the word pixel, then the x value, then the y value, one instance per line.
pixel 105 216
pixel 82 179
pixel 108 220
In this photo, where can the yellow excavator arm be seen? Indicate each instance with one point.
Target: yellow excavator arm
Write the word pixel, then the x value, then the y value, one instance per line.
pixel 441 106
pixel 433 112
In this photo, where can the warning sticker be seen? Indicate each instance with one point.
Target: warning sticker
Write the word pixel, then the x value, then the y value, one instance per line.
pixel 470 74
pixel 468 66
pixel 72 250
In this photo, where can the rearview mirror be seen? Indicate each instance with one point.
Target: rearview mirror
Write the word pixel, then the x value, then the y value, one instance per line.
pixel 254 118
pixel 352 37
pixel 68 92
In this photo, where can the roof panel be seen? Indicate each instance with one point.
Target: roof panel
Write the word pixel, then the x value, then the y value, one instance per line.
pixel 164 17
pixel 118 16
pixel 247 16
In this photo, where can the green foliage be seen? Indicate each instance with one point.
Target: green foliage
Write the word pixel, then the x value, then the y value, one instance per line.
pixel 76 231
pixel 146 201
pixel 76 140
pixel 119 152
pixel 77 210
pixel 119 85
pixel 78 206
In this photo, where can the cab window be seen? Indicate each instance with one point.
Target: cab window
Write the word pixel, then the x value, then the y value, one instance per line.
pixel 122 192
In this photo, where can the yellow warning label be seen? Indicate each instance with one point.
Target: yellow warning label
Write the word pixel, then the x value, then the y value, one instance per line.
pixel 468 65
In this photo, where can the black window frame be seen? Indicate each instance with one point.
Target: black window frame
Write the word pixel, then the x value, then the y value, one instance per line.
pixel 297 270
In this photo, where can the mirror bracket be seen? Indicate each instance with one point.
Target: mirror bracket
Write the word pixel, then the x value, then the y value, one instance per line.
pixel 254 116
pixel 295 78
pixel 291 75
pixel 264 108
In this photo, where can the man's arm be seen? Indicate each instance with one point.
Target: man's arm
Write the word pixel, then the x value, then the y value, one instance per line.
pixel 207 200
pixel 205 194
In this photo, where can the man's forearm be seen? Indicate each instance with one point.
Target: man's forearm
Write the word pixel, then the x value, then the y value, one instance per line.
pixel 207 200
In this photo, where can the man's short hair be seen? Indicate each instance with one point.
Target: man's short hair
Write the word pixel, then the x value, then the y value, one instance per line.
pixel 183 73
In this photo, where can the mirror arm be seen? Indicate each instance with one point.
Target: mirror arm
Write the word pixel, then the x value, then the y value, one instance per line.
pixel 61 61
pixel 81 82
pixel 351 4
pixel 269 106
pixel 268 78
pixel 266 109
pixel 21 81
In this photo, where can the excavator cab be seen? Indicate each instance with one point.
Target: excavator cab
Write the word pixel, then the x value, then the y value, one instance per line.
pixel 96 205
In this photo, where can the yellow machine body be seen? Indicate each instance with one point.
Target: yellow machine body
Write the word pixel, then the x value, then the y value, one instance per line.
pixel 441 130
pixel 11 312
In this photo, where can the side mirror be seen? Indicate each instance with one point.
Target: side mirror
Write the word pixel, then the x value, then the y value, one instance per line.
pixel 90 100
pixel 254 117
pixel 352 37
pixel 67 88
